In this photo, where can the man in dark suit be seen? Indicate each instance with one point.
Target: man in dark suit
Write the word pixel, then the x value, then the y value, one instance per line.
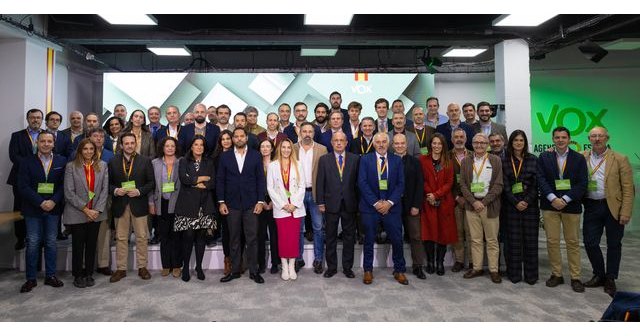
pixel 40 183
pixel 91 121
pixel 300 113
pixel 363 144
pixel 131 180
pixel 241 188
pixel 240 121
pixel 200 126
pixel 23 143
pixel 63 142
pixel 336 124
pixel 562 180
pixel 335 99
pixel 381 184
pixel 420 129
pixel 447 128
pixel 172 128
pixel 75 125
pixel 336 198
pixel 485 125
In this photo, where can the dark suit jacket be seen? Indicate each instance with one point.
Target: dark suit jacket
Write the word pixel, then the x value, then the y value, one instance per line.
pixel 108 143
pixel 279 137
pixel 240 190
pixel 360 146
pixel 190 198
pixel 31 173
pixel 369 186
pixel 163 133
pixel 20 147
pixel 576 171
pixel 413 183
pixel 187 133
pixel 424 139
pixel 445 130
pixel 495 128
pixel 62 145
pixel 142 173
pixel 408 124
pixel 325 139
pixel 330 190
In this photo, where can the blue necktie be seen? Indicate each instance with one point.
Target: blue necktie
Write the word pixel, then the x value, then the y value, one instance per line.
pixel 340 164
pixel 384 174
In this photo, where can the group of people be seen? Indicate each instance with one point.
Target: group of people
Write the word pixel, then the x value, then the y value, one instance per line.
pixel 434 180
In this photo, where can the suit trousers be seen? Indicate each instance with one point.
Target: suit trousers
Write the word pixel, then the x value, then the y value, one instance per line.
pixel 598 218
pixel 348 238
pixel 393 226
pixel 463 235
pixel 554 222
pixel 140 228
pixel 19 226
pixel 83 252
pixel 103 248
pixel 243 221
pixel 170 241
pixel 481 226
pixel 414 228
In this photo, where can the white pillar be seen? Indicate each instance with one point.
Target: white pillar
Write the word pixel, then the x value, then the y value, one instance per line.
pixel 512 85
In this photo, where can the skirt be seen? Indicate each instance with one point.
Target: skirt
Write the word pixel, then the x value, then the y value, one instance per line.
pixel 183 223
pixel 288 236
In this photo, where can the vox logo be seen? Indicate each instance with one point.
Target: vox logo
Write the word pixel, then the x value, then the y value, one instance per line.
pixel 558 117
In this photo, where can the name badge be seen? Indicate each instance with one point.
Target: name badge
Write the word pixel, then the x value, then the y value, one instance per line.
pixel 592 186
pixel 168 187
pixel 45 188
pixel 424 150
pixel 517 188
pixel 458 178
pixel 383 184
pixel 288 193
pixel 91 195
pixel 477 187
pixel 129 185
pixel 564 184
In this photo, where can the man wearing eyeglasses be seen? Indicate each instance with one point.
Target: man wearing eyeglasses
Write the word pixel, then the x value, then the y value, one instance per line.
pixel 607 206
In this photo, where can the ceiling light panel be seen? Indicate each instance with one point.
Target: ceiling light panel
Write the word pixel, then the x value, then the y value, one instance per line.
pixel 522 20
pixel 328 19
pixel 129 19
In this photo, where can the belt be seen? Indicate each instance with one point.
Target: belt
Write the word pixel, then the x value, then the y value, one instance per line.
pixel 602 200
pixel 479 198
pixel 308 189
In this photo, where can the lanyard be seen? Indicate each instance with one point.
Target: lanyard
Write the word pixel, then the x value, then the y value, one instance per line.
pixel 285 176
pixel 169 169
pixel 362 141
pixel 46 170
pixel 381 169
pixel 598 165
pixel 177 131
pixel 341 167
pixel 479 171
pixel 87 173
pixel 424 134
pixel 513 165
pixel 130 167
pixel 564 165
pixel 456 157
pixel 33 142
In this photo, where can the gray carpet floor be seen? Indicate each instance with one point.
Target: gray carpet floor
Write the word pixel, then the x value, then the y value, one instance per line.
pixel 314 298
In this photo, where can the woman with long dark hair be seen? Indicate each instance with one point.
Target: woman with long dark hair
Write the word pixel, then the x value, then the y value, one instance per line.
pixel 224 144
pixel 520 210
pixel 86 189
pixel 195 209
pixel 438 219
pixel 265 219
pixel 162 203
pixel 137 125
pixel 113 127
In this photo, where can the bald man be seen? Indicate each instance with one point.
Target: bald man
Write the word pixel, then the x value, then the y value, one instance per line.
pixel 446 129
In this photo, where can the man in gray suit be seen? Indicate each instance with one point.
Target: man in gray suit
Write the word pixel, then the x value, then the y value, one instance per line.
pixel 399 120
pixel 485 125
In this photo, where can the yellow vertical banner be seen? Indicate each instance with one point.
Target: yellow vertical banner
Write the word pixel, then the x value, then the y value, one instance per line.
pixel 49 86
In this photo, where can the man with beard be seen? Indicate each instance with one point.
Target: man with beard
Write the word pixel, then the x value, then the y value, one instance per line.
pixel 300 113
pixel 469 113
pixel 224 114
pixel 240 121
pixel 75 128
pixel 202 127
pixel 485 125
pixel 454 122
pixel 252 120
pixel 335 99
pixel 322 114
pixel 284 112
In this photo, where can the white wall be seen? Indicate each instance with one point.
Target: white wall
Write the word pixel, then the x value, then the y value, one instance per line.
pixel 464 87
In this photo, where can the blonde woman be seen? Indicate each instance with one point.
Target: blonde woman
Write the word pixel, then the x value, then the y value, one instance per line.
pixel 286 187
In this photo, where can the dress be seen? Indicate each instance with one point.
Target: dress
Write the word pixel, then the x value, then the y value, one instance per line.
pixel 438 222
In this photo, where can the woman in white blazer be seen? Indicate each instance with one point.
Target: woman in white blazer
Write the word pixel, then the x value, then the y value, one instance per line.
pixel 86 189
pixel 286 187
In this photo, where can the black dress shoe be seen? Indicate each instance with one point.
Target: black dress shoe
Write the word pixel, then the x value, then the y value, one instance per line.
pixel 554 281
pixel 457 267
pixel 53 282
pixel 62 237
pixel 79 282
pixel 515 280
pixel 596 281
pixel 299 265
pixel 609 286
pixel 230 277
pixel 104 270
pixel 274 269
pixel 19 246
pixel 440 269
pixel 256 277
pixel 329 273
pixel 28 286
pixel 89 281
pixel 317 267
pixel 430 268
pixel 349 273
pixel 417 271
pixel 186 276
pixel 309 236
pixel 200 274
pixel 577 286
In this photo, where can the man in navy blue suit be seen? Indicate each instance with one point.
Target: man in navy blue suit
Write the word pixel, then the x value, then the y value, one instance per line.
pixel 200 126
pixel 240 121
pixel 300 113
pixel 40 183
pixel 241 187
pixel 381 184
pixel 454 122
pixel 172 129
pixel 23 144
pixel 91 120
pixel 336 124
pixel 62 145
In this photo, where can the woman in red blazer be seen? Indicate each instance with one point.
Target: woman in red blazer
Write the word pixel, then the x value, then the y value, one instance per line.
pixel 437 218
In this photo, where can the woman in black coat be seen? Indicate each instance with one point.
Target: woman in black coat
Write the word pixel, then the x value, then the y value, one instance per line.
pixel 520 210
pixel 195 208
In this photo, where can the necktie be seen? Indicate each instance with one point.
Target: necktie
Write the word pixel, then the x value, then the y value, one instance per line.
pixel 383 175
pixel 154 128
pixel 340 160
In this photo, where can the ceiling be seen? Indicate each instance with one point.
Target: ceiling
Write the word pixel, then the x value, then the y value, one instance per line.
pixel 375 42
